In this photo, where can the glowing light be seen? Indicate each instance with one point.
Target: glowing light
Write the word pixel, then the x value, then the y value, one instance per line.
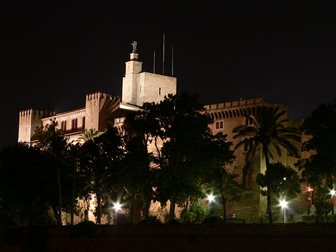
pixel 117 206
pixel 210 197
pixel 309 189
pixel 332 192
pixel 283 203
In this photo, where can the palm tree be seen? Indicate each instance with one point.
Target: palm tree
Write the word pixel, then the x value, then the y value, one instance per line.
pixel 268 131
pixel 99 165
pixel 52 141
pixel 90 134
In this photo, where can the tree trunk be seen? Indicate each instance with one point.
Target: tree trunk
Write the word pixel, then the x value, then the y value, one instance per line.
pixel 87 209
pixel 57 216
pixel 99 207
pixel 59 194
pixel 73 196
pixel 172 209
pixel 269 201
pixel 223 199
pixel 146 207
pixel 109 210
pixel 132 209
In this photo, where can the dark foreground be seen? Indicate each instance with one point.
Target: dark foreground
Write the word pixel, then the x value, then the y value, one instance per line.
pixel 158 238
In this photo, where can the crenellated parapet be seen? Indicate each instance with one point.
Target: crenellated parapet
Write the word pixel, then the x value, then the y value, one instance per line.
pixel 29 120
pixel 95 96
pixel 233 104
pixel 36 113
pixel 240 108
pixel 99 108
pixel 99 96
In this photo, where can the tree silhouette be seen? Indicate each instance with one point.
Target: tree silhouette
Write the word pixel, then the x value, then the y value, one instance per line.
pixel 269 133
pixel 320 127
pixel 51 141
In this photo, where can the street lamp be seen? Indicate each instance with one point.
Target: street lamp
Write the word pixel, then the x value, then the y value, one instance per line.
pixel 332 193
pixel 210 199
pixel 310 199
pixel 284 205
pixel 116 207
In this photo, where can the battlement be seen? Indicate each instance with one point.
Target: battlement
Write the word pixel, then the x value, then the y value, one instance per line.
pixel 36 112
pixel 239 108
pixel 233 104
pixel 98 95
pixel 75 112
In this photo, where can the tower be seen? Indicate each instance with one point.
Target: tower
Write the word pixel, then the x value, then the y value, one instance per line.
pixel 99 109
pixel 139 87
pixel 131 80
pixel 29 120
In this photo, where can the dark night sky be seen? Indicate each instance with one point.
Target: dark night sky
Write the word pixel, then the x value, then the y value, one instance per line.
pixel 52 55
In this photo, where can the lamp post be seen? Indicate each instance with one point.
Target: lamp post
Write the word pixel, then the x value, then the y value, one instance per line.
pixel 116 207
pixel 310 200
pixel 284 205
pixel 210 199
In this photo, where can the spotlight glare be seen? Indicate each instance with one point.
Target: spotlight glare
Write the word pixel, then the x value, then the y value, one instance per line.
pixel 117 206
pixel 210 197
pixel 283 203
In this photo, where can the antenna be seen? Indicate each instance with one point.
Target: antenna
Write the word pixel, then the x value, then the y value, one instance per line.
pixel 154 62
pixel 163 53
pixel 172 69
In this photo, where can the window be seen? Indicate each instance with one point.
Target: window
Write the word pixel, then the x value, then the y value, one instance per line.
pixel 159 91
pixel 74 124
pixel 221 125
pixel 63 125
pixel 217 125
pixel 248 121
pixel 83 122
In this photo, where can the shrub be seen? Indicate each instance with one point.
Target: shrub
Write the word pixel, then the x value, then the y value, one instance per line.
pixel 196 214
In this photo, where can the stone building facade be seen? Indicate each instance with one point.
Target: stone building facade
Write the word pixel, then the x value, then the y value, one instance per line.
pixel 139 87
pixel 226 116
pixel 101 108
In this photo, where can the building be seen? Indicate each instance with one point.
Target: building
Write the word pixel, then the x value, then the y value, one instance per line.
pixel 139 87
pixel 101 108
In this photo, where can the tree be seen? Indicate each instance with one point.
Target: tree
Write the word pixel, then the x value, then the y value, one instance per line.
pixel 51 141
pixel 137 172
pixel 27 187
pixel 269 133
pixel 219 156
pixel 319 169
pixel 183 130
pixel 285 182
pixel 100 165
pixel 90 134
